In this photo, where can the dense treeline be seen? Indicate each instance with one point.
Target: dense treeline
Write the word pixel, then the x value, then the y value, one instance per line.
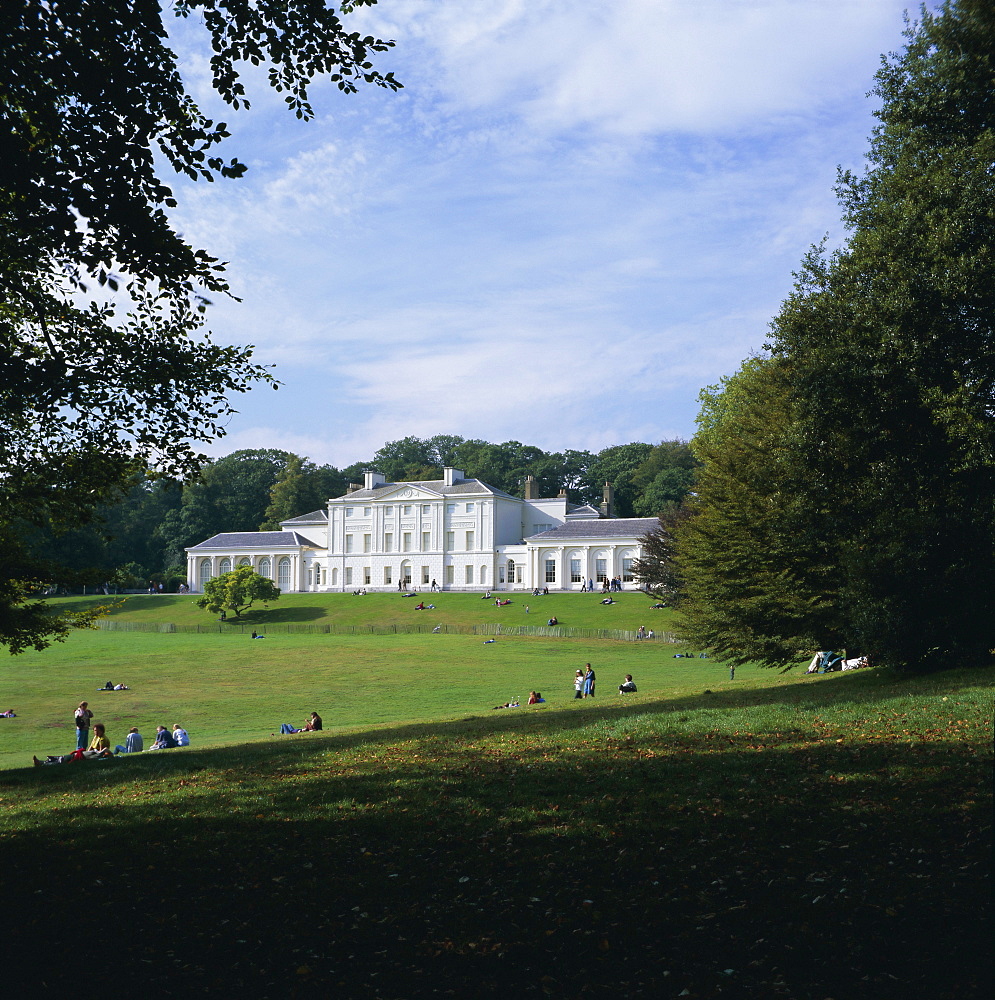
pixel 143 537
pixel 847 491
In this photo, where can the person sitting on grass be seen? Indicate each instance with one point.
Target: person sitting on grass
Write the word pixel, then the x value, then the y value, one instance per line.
pixel 163 740
pixel 99 747
pixel 536 698
pixel 627 686
pixel 420 606
pixel 313 724
pixel 133 742
pixel 180 735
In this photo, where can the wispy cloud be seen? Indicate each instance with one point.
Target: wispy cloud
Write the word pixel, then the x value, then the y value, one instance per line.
pixel 573 217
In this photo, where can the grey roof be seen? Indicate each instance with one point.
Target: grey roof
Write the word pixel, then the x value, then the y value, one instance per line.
pixel 315 515
pixel 606 527
pixel 578 511
pixel 435 485
pixel 252 540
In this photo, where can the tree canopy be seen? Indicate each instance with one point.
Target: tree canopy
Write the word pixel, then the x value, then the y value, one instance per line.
pixel 105 374
pixel 884 358
pixel 237 591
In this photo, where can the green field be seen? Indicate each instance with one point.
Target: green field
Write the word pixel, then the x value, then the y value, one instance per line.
pixel 630 610
pixel 775 835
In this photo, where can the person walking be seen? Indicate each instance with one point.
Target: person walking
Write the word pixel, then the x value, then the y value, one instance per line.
pixel 579 684
pixel 82 718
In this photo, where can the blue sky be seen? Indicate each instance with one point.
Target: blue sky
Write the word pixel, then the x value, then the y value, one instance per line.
pixel 574 216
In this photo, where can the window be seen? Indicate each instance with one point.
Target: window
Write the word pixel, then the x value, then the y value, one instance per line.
pixel 387 575
pixel 366 576
pixel 483 574
pixel 244 561
pixel 283 572
pixel 388 512
pixel 406 541
pixel 469 541
pixel 470 508
pixel 469 574
pixel 406 574
pixel 511 571
pixel 348 543
pixel 388 542
pixel 627 570
pixel 450 508
pixel 367 511
pixel 426 541
pixel 500 574
pixel 348 511
pixel 225 566
pixel 424 574
pixel 205 572
pixel 450 574
pixel 265 568
pixel 536 528
pixel 335 576
pixel 367 540
pixel 317 576
pixel 348 576
pixel 450 540
pixel 426 508
pixel 406 510
pixel 601 573
pixel 550 571
pixel 575 571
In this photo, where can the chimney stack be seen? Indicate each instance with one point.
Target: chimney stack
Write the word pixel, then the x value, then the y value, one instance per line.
pixel 607 508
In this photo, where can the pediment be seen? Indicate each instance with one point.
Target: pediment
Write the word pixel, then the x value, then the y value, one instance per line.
pixel 409 493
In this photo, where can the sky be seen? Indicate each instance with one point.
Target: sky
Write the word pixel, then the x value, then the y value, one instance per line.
pixel 574 216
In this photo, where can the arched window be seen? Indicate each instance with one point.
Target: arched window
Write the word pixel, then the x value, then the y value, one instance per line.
pixel 225 566
pixel 265 568
pixel 511 571
pixel 205 572
pixel 335 576
pixel 283 571
pixel 483 574
pixel 317 575
pixel 245 561
pixel 406 574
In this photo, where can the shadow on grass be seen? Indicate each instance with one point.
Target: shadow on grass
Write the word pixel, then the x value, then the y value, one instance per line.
pixel 470 871
pixel 261 617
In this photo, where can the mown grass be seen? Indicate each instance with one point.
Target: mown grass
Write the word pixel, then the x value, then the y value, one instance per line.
pixel 772 836
pixel 630 610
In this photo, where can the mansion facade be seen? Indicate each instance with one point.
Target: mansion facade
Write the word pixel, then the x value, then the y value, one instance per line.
pixel 458 533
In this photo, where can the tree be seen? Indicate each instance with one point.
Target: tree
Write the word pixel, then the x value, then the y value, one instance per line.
pixel 656 569
pixel 616 466
pixel 237 591
pixel 758 578
pixel 93 109
pixel 301 488
pixel 886 355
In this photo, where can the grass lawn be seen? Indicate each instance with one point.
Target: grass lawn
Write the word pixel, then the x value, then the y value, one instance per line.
pixel 630 610
pixel 772 836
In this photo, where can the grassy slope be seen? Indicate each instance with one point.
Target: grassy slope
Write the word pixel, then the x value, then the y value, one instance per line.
pixel 231 688
pixel 778 836
pixel 631 610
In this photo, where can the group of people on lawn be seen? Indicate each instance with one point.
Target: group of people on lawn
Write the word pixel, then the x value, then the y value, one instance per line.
pixel 99 746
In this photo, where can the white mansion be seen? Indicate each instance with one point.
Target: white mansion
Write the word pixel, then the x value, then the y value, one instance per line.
pixel 460 533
